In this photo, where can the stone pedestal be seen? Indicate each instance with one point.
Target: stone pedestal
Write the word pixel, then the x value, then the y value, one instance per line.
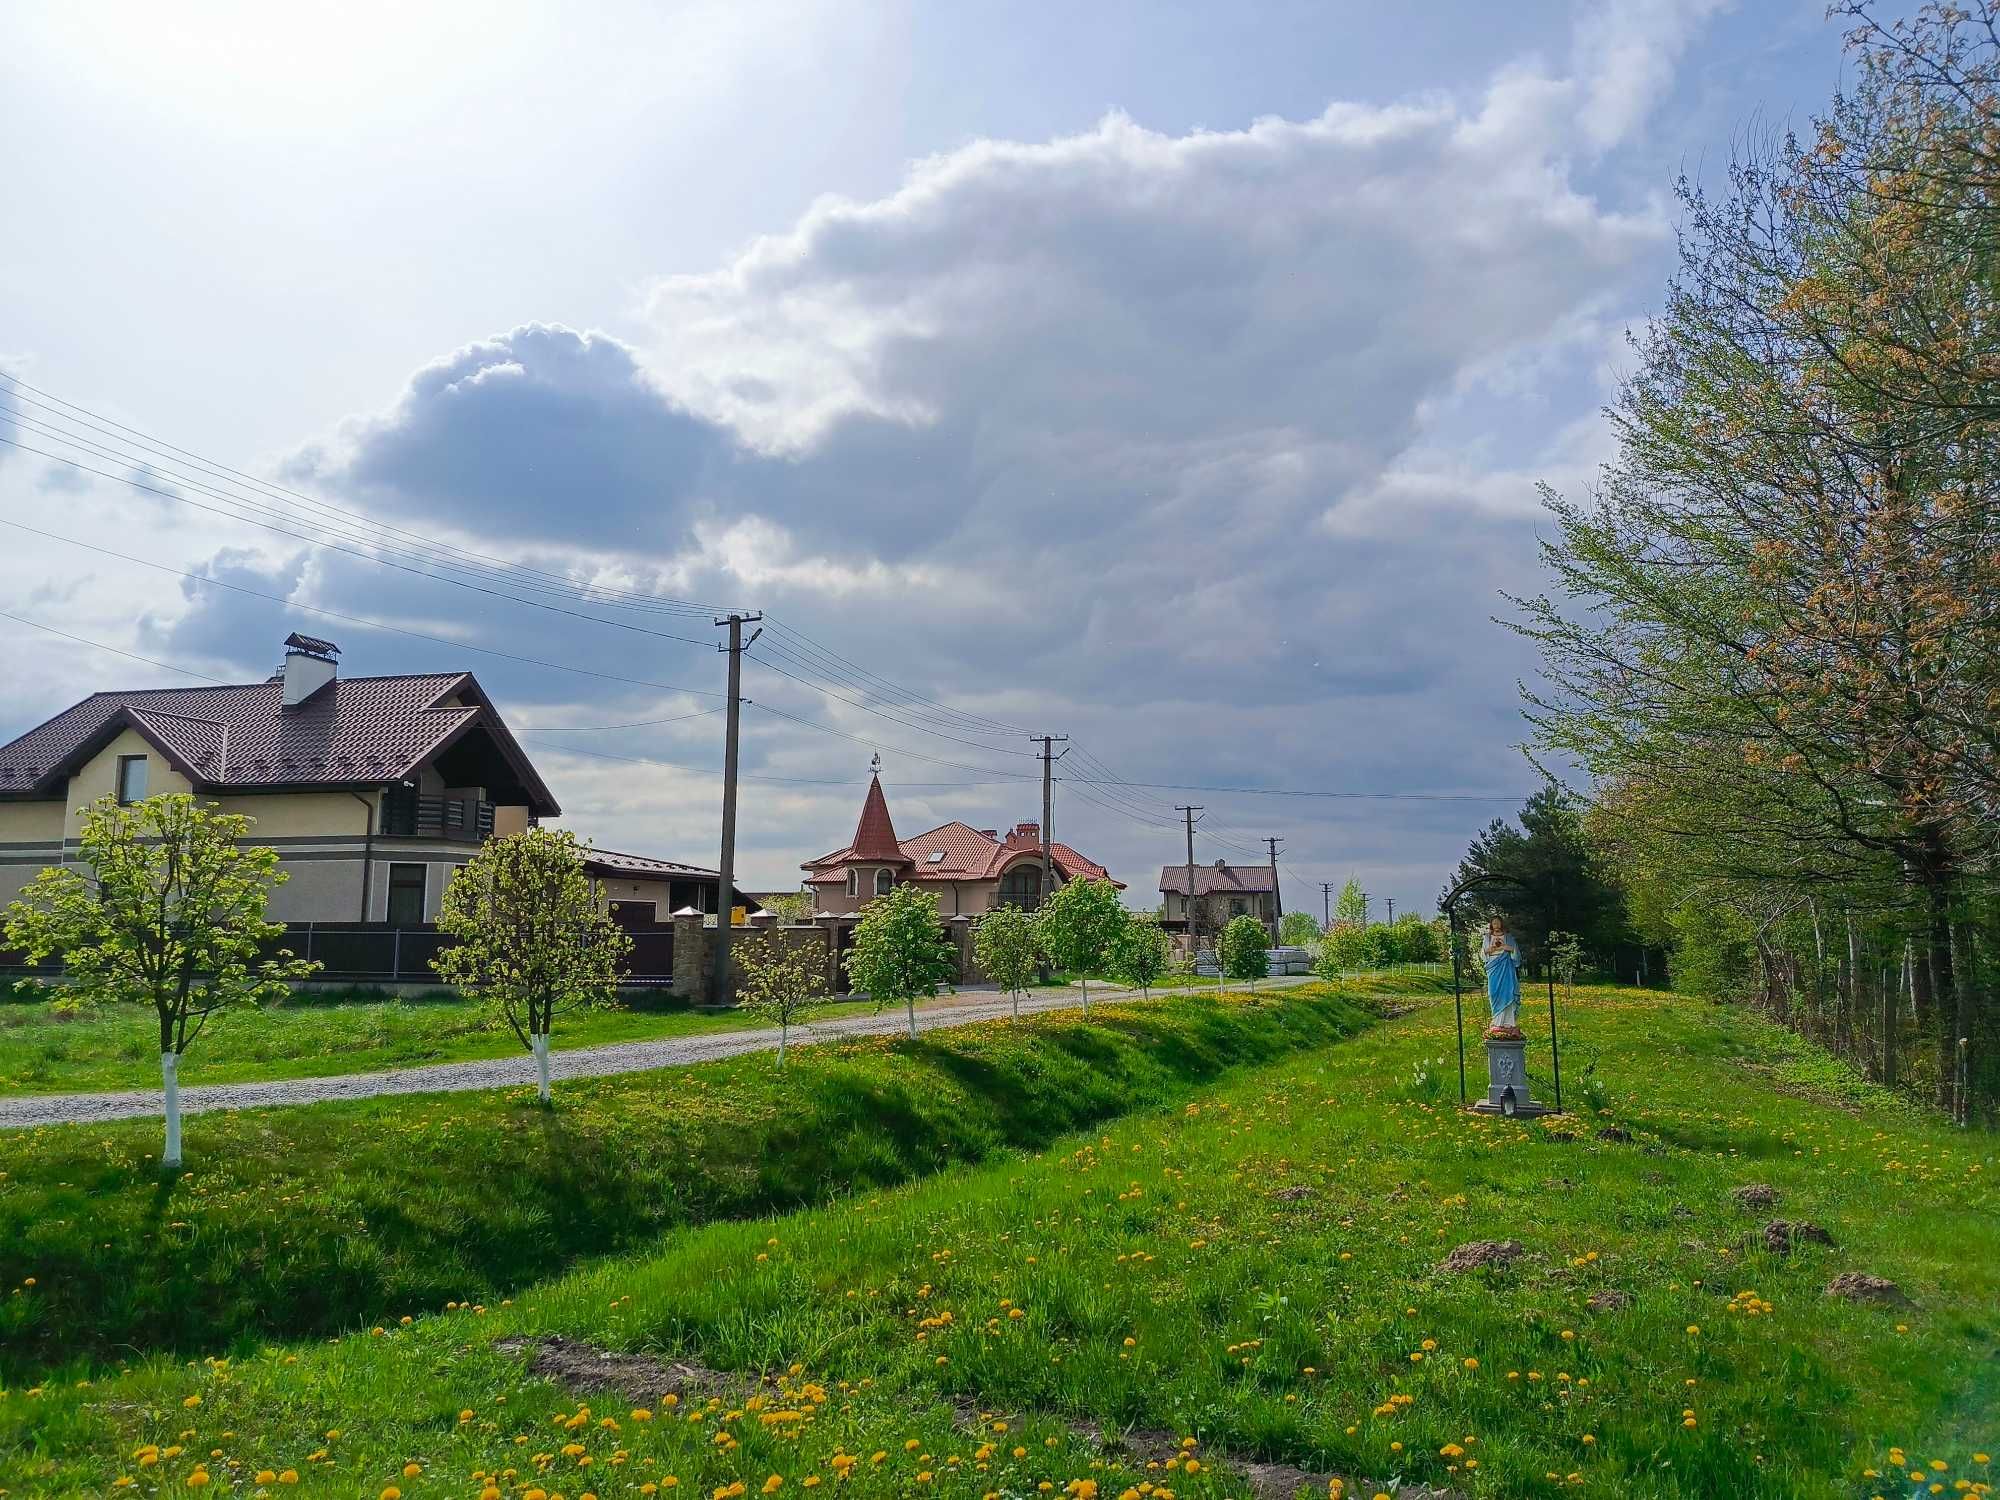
pixel 1507 1081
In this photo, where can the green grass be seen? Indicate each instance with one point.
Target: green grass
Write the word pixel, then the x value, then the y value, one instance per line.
pixel 313 1219
pixel 312 1036
pixel 1163 1231
pixel 1166 1279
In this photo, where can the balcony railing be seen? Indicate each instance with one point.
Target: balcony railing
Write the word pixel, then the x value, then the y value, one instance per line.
pixel 409 815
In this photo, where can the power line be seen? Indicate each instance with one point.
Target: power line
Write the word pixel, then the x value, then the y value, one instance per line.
pixel 114 650
pixel 334 614
pixel 674 765
pixel 956 765
pixel 635 724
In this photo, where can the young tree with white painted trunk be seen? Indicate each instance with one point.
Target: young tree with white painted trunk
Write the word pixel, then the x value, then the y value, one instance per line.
pixel 1080 925
pixel 164 905
pixel 533 935
pixel 900 951
pixel 783 981
pixel 1008 948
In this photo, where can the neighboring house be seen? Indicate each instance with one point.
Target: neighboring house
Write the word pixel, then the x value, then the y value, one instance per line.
pixel 645 892
pixel 1222 892
pixel 972 870
pixel 373 790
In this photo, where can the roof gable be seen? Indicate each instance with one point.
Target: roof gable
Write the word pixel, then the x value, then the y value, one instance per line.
pixel 359 731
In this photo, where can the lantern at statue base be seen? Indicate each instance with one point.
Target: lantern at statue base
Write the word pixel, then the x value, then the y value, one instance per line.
pixel 1507 1077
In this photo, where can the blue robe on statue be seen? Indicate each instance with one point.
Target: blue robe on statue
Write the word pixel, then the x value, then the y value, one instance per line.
pixel 1503 980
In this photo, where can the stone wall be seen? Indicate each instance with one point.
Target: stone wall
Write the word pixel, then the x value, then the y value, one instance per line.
pixel 694 961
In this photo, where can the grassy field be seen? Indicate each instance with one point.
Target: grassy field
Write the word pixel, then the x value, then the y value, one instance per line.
pixel 311 1219
pixel 118 1047
pixel 1249 1275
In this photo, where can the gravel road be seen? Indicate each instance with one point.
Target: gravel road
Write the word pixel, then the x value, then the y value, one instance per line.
pixel 509 1072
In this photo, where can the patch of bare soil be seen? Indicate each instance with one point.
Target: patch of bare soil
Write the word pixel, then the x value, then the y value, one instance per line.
pixel 1609 1300
pixel 1780 1235
pixel 637 1377
pixel 1470 1257
pixel 1859 1286
pixel 1755 1195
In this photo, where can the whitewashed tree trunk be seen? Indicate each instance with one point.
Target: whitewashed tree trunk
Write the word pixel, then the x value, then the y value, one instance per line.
pixel 782 1029
pixel 170 1081
pixel 1086 999
pixel 1017 1003
pixel 540 1046
pixel 911 1005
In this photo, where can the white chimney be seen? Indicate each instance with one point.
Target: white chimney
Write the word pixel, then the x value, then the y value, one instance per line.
pixel 309 666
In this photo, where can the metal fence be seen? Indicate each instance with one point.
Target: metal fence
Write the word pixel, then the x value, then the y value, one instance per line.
pixel 370 953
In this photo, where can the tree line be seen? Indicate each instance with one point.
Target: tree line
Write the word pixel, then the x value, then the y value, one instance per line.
pixel 1772 638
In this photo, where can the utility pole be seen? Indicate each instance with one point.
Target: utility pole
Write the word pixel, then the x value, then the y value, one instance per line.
pixel 1364 908
pixel 1392 911
pixel 1277 905
pixel 1326 905
pixel 721 991
pixel 1187 901
pixel 1048 742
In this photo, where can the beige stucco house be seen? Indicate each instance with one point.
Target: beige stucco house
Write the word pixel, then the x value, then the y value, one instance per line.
pixel 373 790
pixel 971 870
pixel 1222 892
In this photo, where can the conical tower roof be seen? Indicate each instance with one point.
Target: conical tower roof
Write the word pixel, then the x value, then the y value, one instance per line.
pixel 875 835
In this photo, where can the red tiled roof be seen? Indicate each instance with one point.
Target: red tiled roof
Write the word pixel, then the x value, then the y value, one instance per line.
pixel 356 732
pixel 875 835
pixel 968 854
pixel 1216 880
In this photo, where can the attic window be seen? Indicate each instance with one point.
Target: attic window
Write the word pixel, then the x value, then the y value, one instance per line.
pixel 937 856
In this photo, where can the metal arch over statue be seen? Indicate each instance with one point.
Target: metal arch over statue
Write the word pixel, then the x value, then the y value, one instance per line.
pixel 1507 1091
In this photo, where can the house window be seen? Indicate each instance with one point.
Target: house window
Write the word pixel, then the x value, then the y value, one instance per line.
pixel 884 879
pixel 853 883
pixel 1022 887
pixel 131 779
pixel 406 895
pixel 1236 909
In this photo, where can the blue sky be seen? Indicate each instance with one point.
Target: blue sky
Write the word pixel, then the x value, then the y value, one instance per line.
pixel 1176 376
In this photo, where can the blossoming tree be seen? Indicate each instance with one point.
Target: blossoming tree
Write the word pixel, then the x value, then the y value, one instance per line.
pixel 1243 951
pixel 782 981
pixel 1007 947
pixel 1079 925
pixel 1139 954
pixel 165 906
pixel 899 950
pixel 533 935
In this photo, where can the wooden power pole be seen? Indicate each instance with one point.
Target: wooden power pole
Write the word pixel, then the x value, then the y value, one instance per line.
pixel 1277 905
pixel 721 991
pixel 1048 742
pixel 1325 905
pixel 1187 901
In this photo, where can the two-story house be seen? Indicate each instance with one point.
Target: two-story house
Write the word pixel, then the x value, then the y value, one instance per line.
pixel 1222 892
pixel 373 790
pixel 971 870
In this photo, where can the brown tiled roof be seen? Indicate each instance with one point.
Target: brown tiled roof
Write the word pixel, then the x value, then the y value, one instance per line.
pixel 875 835
pixel 611 862
pixel 969 854
pixel 1216 880
pixel 357 732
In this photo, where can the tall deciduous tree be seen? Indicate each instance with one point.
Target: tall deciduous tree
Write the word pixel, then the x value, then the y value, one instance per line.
pixel 1352 903
pixel 900 952
pixel 1008 948
pixel 165 906
pixel 783 981
pixel 1298 929
pixel 1079 925
pixel 1776 636
pixel 534 936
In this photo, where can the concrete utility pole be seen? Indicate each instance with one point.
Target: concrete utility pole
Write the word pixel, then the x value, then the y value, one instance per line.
pixel 1048 742
pixel 1364 908
pixel 1277 906
pixel 1187 901
pixel 1392 911
pixel 1325 904
pixel 721 991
